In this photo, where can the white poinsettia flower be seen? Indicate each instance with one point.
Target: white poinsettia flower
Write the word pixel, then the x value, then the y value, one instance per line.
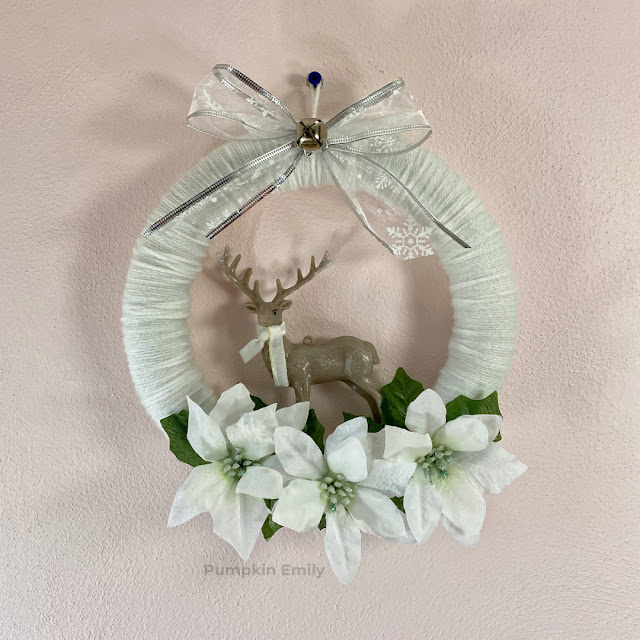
pixel 238 443
pixel 350 488
pixel 457 462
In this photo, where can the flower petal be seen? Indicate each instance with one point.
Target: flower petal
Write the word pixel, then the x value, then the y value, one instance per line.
pixel 408 537
pixel 467 539
pixel 300 506
pixel 204 435
pixel 199 492
pixel 349 459
pixel 294 416
pixel 342 544
pixel 465 433
pixel 238 519
pixel 462 504
pixel 373 445
pixel 260 482
pixel 423 506
pixel 389 478
pixel 376 514
pixel 299 454
pixel 354 428
pixel 492 422
pixel 272 462
pixel 253 432
pixel 492 469
pixel 231 405
pixel 427 413
pixel 405 446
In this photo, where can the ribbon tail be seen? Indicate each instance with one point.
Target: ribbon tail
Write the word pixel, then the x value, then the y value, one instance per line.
pixel 255 199
pixel 219 184
pixel 252 349
pixel 414 198
pixel 353 203
pixel 278 357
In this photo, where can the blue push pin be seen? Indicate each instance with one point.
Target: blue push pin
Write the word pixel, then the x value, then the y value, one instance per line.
pixel 314 79
pixel 314 82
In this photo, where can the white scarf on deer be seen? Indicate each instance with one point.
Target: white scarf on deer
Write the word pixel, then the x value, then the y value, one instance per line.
pixel 272 335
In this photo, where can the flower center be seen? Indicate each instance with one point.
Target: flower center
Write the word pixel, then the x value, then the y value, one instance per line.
pixel 435 462
pixel 235 466
pixel 336 490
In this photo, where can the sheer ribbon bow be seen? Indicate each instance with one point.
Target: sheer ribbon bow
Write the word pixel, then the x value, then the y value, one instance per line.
pixel 351 145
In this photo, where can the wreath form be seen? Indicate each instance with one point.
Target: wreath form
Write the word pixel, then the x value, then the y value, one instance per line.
pixel 255 468
pixel 156 302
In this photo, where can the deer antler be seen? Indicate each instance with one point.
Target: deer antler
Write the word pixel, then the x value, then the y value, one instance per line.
pixel 242 282
pixel 282 293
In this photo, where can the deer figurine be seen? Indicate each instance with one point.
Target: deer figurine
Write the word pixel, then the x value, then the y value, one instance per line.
pixel 346 359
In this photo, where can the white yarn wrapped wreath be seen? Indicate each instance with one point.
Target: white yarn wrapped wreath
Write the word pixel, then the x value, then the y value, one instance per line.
pixel 157 300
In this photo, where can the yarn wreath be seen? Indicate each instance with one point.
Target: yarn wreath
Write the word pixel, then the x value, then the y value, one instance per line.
pixel 156 301
pixel 257 468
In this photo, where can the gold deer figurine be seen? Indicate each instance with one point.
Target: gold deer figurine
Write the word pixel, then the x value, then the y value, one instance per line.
pixel 346 359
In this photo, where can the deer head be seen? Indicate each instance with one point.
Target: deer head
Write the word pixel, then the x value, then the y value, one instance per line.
pixel 269 313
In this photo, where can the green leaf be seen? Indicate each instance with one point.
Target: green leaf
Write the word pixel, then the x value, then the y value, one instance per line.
pixel 373 427
pixel 175 427
pixel 463 406
pixel 260 404
pixel 270 502
pixel 314 429
pixel 270 527
pixel 396 397
pixel 498 437
pixel 399 502
pixel 323 522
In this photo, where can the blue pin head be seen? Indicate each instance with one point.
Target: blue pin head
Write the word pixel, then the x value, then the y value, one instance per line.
pixel 314 79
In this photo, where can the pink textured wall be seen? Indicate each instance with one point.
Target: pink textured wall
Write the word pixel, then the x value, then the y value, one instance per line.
pixel 534 103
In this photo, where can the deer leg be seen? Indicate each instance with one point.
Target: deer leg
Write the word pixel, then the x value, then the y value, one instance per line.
pixel 302 391
pixel 369 393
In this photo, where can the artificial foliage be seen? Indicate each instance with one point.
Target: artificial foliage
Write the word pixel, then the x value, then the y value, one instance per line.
pixel 441 452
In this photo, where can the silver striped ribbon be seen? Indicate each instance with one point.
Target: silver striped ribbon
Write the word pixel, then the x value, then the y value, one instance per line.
pixel 337 144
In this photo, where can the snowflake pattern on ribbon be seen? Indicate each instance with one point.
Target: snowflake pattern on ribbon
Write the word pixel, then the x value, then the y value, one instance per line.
pixel 209 102
pixel 410 240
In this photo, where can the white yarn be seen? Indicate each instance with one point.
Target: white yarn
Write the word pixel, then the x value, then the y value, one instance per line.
pixel 156 298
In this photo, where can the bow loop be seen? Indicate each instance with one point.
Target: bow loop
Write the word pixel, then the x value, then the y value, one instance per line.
pixel 386 122
pixel 229 105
